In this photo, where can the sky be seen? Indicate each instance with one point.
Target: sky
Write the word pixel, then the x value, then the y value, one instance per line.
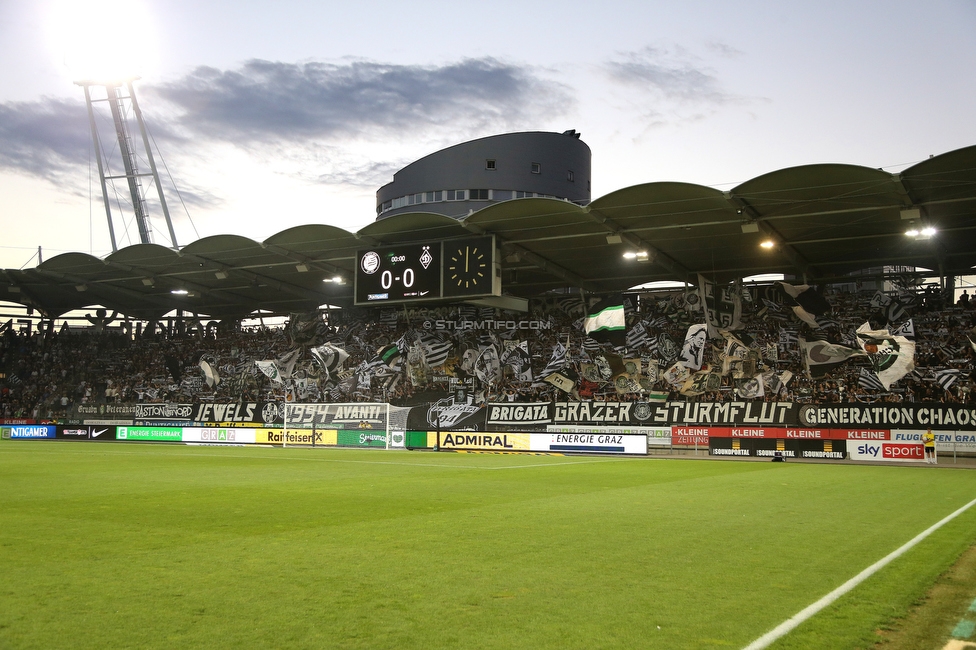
pixel 273 115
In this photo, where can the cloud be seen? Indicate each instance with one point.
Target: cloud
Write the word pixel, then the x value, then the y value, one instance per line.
pixel 49 138
pixel 271 101
pixel 351 122
pixel 724 50
pixel 672 74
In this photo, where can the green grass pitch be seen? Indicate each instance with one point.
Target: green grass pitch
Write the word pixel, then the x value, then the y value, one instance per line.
pixel 159 546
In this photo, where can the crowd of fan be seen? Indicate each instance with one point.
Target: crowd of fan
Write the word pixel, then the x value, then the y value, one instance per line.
pixel 46 373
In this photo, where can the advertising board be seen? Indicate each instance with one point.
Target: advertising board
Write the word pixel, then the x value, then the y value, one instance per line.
pixel 30 432
pixel 945 441
pixel 103 412
pixel 155 434
pixel 98 432
pixel 158 412
pixel 654 436
pixel 590 443
pixel 887 451
pixel 398 439
pixel 689 436
pixel 486 441
pixel 220 435
pixel 891 416
pixel 325 437
pixel 336 416
pixel 248 413
pixel 354 438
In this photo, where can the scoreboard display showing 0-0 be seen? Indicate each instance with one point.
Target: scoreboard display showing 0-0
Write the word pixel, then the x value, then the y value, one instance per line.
pixel 398 273
pixel 452 268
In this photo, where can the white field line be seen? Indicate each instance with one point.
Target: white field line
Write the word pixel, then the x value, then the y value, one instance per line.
pixel 790 624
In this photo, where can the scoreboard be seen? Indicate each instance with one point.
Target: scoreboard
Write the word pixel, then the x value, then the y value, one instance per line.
pixel 453 268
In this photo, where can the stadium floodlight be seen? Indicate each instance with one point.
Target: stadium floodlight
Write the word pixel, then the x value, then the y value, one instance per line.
pixel 767 244
pixel 180 292
pixel 926 232
pixel 638 255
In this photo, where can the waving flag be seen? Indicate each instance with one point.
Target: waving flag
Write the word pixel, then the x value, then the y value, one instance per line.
pixel 637 337
pixel 693 351
pixel 892 357
pixel 519 360
pixel 723 306
pixel 329 357
pixel 869 381
pixel 209 373
pixel 807 304
pixel 605 321
pixel 488 365
pixel 270 370
pixel 820 357
pixel 558 360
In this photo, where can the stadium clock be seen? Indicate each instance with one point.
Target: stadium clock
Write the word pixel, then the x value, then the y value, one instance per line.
pixel 468 267
pixel 398 273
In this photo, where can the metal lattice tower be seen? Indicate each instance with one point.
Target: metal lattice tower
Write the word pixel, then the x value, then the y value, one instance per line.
pixel 120 99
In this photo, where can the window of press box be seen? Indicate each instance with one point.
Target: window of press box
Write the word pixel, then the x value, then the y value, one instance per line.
pixel 478 195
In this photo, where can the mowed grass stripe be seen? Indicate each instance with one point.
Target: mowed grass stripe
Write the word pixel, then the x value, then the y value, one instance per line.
pixel 813 609
pixel 157 547
pixel 311 455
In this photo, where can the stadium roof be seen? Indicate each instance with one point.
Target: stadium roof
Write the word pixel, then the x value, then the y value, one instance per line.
pixel 826 221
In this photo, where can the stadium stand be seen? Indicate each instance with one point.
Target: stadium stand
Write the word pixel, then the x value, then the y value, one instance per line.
pixel 413 356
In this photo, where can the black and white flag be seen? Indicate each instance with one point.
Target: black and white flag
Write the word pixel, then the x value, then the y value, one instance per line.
pixel 558 360
pixel 723 307
pixel 659 323
pixel 869 381
pixel 807 304
pixel 946 378
pixel 570 305
pixel 820 357
pixel 329 357
pixel 667 347
pixel 893 309
pixel 637 337
pixel 590 345
pixel 435 350
pixel 773 311
pixel 906 329
pixel 209 373
pixel 693 351
pixel 488 366
pixel 787 337
pixel 519 360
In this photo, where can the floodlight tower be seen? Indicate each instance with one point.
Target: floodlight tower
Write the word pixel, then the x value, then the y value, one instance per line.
pixel 120 97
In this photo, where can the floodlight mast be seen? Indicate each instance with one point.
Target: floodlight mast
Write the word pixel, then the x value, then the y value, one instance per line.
pixel 116 98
